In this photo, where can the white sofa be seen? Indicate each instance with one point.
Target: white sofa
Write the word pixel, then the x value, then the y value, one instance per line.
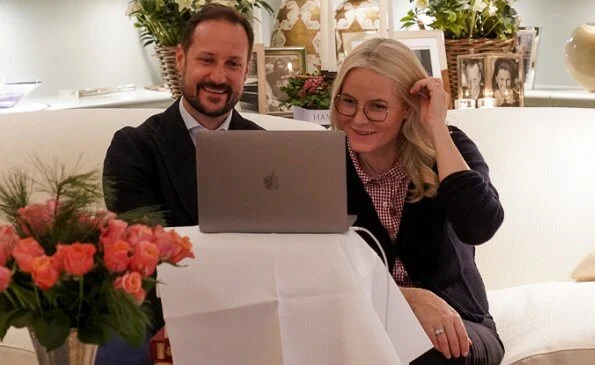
pixel 541 164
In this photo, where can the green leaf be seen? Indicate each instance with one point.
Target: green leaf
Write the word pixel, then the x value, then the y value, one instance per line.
pixel 126 318
pixel 53 329
pixel 23 319
pixel 5 321
pixel 95 330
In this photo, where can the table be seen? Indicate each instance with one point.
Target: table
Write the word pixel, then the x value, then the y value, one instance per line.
pixel 289 299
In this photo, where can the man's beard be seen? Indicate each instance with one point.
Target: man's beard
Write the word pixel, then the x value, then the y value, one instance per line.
pixel 194 99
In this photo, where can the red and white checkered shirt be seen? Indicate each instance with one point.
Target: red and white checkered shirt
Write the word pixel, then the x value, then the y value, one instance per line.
pixel 388 192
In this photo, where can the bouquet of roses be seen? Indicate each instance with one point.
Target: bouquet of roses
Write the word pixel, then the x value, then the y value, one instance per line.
pixel 64 265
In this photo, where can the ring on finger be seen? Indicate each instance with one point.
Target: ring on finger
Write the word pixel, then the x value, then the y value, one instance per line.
pixel 439 331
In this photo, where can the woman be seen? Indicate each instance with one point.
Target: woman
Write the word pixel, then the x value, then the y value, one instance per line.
pixel 504 82
pixel 422 188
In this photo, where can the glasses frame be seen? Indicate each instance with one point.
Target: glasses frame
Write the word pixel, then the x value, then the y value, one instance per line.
pixel 363 108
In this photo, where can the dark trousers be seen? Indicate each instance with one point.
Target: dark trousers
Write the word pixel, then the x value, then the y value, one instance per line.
pixel 487 348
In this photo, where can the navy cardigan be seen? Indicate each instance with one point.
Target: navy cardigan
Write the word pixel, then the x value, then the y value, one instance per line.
pixel 437 236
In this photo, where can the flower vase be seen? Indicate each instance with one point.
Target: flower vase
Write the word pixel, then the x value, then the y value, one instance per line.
pixel 72 351
pixel 318 116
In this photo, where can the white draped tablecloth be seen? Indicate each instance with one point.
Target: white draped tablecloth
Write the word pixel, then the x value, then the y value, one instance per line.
pixel 285 299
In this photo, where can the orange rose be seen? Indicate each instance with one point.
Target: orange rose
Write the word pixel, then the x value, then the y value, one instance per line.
pixel 44 274
pixel 115 230
pixel 25 252
pixel 8 239
pixel 115 256
pixel 145 258
pixel 78 258
pixel 36 219
pixel 5 276
pixel 138 233
pixel 183 249
pixel 132 283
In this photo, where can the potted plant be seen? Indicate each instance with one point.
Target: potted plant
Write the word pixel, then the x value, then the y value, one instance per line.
pixel 74 275
pixel 162 22
pixel 469 26
pixel 310 97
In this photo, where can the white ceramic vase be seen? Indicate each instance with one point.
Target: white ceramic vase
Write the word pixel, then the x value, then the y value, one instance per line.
pixel 579 54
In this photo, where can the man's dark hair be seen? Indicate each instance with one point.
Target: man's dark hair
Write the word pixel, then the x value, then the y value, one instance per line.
pixel 213 11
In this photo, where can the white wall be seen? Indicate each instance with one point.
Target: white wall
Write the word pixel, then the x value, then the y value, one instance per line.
pixel 74 44
pixel 558 18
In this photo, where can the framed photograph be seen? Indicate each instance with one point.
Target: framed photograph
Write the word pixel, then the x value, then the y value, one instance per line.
pixel 254 98
pixel 428 46
pixel 279 65
pixel 471 72
pixel 527 44
pixel 505 75
pixel 353 39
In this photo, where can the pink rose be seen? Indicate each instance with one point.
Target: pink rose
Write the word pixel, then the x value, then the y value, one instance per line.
pixel 116 256
pixel 44 274
pixel 145 258
pixel 5 276
pixel 58 257
pixel 36 219
pixel 115 230
pixel 138 233
pixel 166 242
pixel 25 252
pixel 8 239
pixel 132 283
pixel 78 258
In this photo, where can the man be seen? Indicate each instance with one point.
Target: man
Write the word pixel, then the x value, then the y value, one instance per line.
pixel 474 78
pixel 155 164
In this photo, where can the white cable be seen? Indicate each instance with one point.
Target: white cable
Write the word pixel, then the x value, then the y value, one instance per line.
pixel 388 273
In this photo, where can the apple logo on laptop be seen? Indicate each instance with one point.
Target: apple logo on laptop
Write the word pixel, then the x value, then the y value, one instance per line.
pixel 271 181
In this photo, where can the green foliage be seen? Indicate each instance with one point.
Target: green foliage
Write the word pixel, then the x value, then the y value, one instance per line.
pixel 308 91
pixel 163 21
pixel 465 18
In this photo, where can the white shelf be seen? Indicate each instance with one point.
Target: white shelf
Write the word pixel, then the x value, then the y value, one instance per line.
pixel 560 97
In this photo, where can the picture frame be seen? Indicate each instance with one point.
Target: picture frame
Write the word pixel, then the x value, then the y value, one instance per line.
pixel 428 46
pixel 472 76
pixel 505 79
pixel 253 97
pixel 527 43
pixel 280 63
pixel 353 39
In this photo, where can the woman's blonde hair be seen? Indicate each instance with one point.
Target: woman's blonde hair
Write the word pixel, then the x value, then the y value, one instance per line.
pixel 395 61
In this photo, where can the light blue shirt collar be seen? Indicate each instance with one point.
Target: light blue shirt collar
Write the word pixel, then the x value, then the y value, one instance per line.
pixel 194 126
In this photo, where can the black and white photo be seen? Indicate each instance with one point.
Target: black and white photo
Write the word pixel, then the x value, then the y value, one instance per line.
pixel 279 65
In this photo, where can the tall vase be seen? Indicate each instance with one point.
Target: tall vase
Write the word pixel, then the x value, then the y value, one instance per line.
pixel 354 16
pixel 170 76
pixel 72 352
pixel 579 54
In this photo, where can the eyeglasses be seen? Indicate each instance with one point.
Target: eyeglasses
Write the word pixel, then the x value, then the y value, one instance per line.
pixel 374 110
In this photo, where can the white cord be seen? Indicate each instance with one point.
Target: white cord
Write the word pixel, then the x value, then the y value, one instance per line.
pixel 388 276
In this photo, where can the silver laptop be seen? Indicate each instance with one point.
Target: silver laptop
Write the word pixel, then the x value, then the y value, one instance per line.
pixel 272 181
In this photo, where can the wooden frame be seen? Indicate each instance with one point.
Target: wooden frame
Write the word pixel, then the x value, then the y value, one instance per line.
pixel 507 88
pixel 253 97
pixel 279 65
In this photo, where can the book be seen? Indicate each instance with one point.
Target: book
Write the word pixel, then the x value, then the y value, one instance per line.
pixel 160 349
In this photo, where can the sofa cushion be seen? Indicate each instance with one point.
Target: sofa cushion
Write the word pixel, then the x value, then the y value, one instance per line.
pixel 546 323
pixel 585 271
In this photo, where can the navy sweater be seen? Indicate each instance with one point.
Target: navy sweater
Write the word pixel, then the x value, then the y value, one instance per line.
pixel 437 236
